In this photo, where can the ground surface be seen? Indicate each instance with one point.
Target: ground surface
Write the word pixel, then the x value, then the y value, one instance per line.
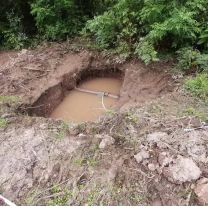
pixel 152 151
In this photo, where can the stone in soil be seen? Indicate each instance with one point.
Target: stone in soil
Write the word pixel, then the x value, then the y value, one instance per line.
pixel 182 170
pixel 201 191
pixel 142 155
pixel 106 141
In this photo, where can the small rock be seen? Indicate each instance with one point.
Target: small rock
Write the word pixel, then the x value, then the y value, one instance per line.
pixel 152 167
pixel 99 136
pixel 142 156
pixel 201 191
pixel 158 138
pixel 82 135
pixel 182 170
pixel 106 141
pixel 164 159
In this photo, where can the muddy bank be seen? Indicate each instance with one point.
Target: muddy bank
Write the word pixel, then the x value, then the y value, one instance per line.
pixel 41 78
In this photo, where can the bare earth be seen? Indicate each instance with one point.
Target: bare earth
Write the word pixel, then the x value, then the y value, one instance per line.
pixel 151 151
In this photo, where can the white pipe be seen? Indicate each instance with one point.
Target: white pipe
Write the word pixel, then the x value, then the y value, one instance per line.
pixel 97 93
pixel 7 201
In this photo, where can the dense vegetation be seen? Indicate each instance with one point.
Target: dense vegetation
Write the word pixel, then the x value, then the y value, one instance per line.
pixel 147 29
pixel 23 20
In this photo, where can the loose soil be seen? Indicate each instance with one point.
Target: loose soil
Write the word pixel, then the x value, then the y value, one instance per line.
pixel 151 151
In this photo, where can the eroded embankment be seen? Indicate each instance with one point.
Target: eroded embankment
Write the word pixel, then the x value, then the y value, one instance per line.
pixel 42 80
pixel 54 95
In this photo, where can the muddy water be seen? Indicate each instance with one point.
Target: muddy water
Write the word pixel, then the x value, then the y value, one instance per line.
pixel 80 107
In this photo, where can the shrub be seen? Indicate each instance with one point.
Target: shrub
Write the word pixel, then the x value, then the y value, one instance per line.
pixel 59 19
pixel 13 36
pixel 56 18
pixel 198 86
pixel 190 59
pixel 149 26
pixel 16 23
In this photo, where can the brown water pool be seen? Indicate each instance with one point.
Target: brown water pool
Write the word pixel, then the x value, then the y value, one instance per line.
pixel 80 106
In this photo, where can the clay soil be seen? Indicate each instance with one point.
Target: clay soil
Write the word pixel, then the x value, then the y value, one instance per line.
pixel 49 162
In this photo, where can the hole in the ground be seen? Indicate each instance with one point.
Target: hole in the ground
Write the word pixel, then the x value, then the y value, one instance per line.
pixel 80 97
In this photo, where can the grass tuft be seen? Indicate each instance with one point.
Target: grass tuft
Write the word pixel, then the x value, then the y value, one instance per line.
pixel 198 86
pixel 3 123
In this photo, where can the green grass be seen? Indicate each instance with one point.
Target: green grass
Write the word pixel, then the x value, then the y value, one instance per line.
pixel 195 113
pixel 9 99
pixel 59 200
pixel 3 123
pixel 62 132
pixel 198 86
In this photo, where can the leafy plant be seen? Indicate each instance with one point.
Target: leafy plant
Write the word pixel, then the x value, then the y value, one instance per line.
pixel 14 36
pixel 117 25
pixel 192 60
pixel 61 196
pixel 56 19
pixel 62 131
pixel 59 19
pixel 147 27
pixel 198 86
pixel 9 99
pixel 3 122
pixel 145 50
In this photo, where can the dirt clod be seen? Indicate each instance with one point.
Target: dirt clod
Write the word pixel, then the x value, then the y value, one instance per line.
pixel 156 137
pixel 182 170
pixel 201 191
pixel 106 141
pixel 142 155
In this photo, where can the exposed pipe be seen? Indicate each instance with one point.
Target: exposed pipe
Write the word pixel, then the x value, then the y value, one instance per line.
pixel 8 202
pixel 98 93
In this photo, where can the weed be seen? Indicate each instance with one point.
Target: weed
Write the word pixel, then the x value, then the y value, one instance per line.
pixel 89 157
pixel 62 197
pixel 198 86
pixel 79 162
pixel 81 127
pixel 132 118
pixel 31 197
pixel 62 131
pixel 3 123
pixel 9 100
pixel 91 162
pixel 92 197
pixel 193 112
pixel 192 60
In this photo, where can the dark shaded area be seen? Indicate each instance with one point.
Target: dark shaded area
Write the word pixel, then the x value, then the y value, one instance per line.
pixel 10 12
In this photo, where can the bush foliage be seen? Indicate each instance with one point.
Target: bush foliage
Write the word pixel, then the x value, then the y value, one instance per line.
pixel 144 28
pixel 48 19
pixel 198 86
pixel 149 26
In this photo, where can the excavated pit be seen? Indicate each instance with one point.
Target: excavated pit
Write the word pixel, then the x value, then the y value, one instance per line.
pixel 46 84
pixel 63 101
